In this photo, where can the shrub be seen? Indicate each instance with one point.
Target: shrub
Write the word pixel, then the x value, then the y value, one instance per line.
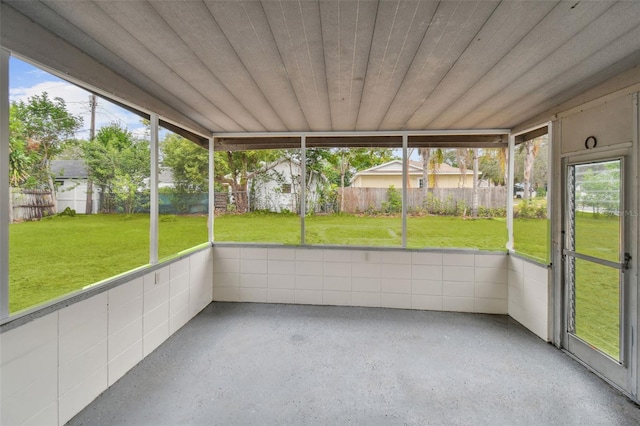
pixel 67 212
pixel 394 201
pixel 531 209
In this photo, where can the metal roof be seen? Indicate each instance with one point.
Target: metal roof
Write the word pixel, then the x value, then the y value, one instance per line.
pixel 329 66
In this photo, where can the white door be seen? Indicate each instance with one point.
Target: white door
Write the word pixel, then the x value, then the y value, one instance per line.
pixel 596 263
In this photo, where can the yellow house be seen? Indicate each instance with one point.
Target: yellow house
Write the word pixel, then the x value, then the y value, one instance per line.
pixel 387 174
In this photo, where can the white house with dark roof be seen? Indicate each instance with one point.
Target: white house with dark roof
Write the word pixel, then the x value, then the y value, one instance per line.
pixel 71 186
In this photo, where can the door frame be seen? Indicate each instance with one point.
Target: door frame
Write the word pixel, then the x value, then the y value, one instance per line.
pixel 619 373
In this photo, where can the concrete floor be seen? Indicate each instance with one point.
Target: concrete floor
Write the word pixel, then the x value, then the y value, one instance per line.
pixel 255 364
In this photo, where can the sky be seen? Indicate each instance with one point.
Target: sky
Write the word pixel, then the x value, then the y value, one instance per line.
pixel 26 80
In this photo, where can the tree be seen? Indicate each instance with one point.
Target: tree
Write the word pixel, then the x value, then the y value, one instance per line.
pixel 236 168
pixel 19 158
pixel 119 164
pixel 531 149
pixel 348 161
pixel 46 127
pixel 189 165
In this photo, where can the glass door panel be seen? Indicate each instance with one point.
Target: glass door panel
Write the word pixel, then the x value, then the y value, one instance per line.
pixel 593 257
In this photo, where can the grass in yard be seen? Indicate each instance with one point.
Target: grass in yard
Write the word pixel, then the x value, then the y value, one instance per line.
pixel 597 287
pixel 352 230
pixel 455 232
pixel 530 238
pixel 258 228
pixel 58 255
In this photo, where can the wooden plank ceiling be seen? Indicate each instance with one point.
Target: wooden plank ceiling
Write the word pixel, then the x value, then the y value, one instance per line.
pixel 321 66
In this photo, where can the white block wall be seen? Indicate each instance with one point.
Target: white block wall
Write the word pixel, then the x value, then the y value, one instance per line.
pixel 403 279
pixel 54 366
pixel 529 295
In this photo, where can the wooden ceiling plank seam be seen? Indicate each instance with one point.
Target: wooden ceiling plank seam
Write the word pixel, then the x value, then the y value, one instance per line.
pixel 151 44
pixel 172 89
pixel 528 85
pixel 295 56
pixel 239 59
pixel 183 108
pixel 404 77
pixel 361 91
pixel 214 78
pixel 535 102
pixel 309 56
pixel 292 88
pixel 226 92
pixel 386 64
pixel 294 73
pixel 140 103
pixel 437 121
pixel 526 96
pixel 381 61
pixel 244 64
pixel 289 86
pixel 345 23
pixel 379 111
pixel 452 65
pixel 477 57
pixel 499 74
pixel 225 13
pixel 324 62
pixel 333 68
pixel 413 93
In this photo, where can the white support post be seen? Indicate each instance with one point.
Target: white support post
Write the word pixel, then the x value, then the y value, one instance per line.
pixel 212 192
pixel 5 192
pixel 153 229
pixel 555 197
pixel 510 184
pixel 405 174
pixel 303 185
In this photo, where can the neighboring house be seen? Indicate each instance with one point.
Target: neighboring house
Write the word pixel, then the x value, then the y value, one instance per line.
pixel 277 188
pixel 71 178
pixel 387 174
pixel 71 185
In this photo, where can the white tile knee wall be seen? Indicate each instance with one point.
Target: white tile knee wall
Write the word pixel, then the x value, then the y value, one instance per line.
pixel 529 295
pixel 465 282
pixel 53 366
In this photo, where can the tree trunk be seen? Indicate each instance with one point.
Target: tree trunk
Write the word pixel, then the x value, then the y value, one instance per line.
pixel 474 194
pixel 88 206
pixel 504 164
pixel 425 153
pixel 341 192
pixel 528 168
pixel 54 199
pixel 239 192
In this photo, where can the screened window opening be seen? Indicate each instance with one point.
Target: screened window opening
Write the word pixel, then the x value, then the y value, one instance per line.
pixel 79 168
pixel 463 204
pixel 530 211
pixel 183 194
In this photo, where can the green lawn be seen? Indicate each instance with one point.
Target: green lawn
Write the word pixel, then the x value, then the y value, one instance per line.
pixel 597 292
pixel 58 255
pixel 530 238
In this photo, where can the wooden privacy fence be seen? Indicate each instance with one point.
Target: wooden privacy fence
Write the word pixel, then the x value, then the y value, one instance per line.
pixel 31 204
pixel 358 200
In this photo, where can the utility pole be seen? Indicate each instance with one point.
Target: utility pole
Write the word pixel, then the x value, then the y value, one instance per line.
pixel 88 209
